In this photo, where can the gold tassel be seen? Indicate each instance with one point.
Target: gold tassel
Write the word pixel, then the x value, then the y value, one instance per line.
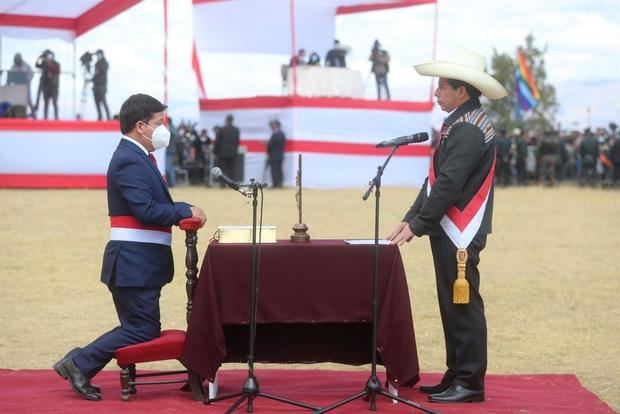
pixel 460 292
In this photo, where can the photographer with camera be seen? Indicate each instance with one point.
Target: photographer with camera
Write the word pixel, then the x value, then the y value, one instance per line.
pixel 50 79
pixel 100 84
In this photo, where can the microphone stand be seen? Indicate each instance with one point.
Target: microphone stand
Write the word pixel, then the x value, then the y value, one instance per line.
pixel 251 389
pixel 373 385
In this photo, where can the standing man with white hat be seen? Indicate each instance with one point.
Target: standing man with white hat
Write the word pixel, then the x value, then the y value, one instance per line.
pixel 454 208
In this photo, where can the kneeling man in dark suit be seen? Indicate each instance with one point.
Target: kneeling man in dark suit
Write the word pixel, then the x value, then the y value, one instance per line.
pixel 137 261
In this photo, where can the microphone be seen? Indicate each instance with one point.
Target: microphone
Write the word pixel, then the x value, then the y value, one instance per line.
pixel 217 173
pixel 404 140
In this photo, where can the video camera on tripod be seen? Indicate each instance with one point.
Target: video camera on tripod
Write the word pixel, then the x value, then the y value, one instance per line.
pixel 85 60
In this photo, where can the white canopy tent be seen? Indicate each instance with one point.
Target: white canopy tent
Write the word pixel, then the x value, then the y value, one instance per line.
pixel 66 19
pixel 276 26
pixel 335 133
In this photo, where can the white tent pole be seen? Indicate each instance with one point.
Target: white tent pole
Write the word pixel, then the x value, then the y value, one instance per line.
pixel 293 46
pixel 74 80
pixel 165 5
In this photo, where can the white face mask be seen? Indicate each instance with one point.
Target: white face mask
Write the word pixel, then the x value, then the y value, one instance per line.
pixel 160 138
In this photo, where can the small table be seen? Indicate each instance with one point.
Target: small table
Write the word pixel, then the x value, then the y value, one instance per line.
pixel 314 305
pixel 319 81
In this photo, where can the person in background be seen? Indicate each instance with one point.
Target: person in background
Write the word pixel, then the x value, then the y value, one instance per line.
pixel 380 59
pixel 503 157
pixel 299 59
pixel 549 155
pixel 199 144
pixel 226 148
pixel 171 155
pixel 519 149
pixel 50 80
pixel 589 152
pixel 615 156
pixel 314 59
pixel 20 66
pixel 137 261
pixel 275 152
pixel 336 56
pixel 100 84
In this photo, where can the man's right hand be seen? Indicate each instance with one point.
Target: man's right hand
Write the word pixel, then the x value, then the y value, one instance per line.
pixel 400 234
pixel 197 212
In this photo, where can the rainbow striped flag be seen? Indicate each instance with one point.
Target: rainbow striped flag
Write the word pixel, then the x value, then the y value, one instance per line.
pixel 528 94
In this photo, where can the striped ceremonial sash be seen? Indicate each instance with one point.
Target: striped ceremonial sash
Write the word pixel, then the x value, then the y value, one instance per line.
pixel 461 226
pixel 128 228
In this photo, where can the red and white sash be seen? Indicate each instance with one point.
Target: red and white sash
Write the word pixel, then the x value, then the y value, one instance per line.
pixel 128 228
pixel 461 226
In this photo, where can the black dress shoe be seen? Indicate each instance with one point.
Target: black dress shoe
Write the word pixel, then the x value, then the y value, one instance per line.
pixel 73 352
pixel 446 382
pixel 67 369
pixel 457 394
pixel 437 388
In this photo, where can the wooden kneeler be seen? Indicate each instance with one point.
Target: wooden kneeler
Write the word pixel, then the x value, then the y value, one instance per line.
pixel 169 345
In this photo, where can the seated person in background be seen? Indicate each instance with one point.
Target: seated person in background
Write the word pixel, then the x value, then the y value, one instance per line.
pixel 314 59
pixel 336 57
pixel 299 59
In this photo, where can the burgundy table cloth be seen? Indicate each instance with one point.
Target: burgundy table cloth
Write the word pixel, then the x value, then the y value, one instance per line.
pixel 314 305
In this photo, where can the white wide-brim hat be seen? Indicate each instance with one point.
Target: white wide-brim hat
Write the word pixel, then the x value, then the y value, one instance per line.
pixel 466 66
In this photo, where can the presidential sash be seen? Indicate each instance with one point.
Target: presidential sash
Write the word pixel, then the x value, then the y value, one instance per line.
pixel 462 225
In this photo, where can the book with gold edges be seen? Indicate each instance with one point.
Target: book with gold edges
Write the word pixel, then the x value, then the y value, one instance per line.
pixel 243 234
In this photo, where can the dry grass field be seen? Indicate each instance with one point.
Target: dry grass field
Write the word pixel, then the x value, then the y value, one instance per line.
pixel 550 273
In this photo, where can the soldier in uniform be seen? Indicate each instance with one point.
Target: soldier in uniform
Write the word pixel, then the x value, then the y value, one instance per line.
pixel 454 208
pixel 503 157
pixel 549 154
pixel 589 153
pixel 520 153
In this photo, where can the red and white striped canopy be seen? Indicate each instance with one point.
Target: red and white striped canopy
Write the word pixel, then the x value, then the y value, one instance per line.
pixel 66 19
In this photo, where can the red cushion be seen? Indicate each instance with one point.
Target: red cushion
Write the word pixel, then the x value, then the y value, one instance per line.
pixel 168 346
pixel 190 224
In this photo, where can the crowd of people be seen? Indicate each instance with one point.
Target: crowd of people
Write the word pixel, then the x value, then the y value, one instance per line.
pixel 48 90
pixel 336 58
pixel 196 151
pixel 589 158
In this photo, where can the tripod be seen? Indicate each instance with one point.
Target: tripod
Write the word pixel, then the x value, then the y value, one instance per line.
pixel 86 74
pixel 373 385
pixel 251 389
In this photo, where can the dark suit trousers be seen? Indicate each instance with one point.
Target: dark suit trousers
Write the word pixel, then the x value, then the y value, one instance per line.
pixel 138 313
pixel 464 325
pixel 227 165
pixel 276 172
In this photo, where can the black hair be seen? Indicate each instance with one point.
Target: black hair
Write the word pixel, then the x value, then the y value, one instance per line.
pixel 472 91
pixel 229 119
pixel 138 107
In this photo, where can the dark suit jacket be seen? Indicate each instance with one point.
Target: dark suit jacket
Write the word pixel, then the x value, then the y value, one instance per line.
pixel 462 161
pixel 275 147
pixel 136 188
pixel 227 142
pixel 100 78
